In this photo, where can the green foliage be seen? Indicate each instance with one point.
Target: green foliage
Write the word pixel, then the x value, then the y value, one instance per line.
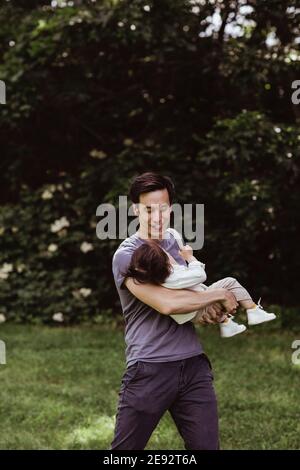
pixel 83 73
pixel 50 262
pixel 246 174
pixel 100 91
pixel 249 173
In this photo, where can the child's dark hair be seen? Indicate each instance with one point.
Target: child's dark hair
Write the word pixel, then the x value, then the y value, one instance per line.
pixel 149 263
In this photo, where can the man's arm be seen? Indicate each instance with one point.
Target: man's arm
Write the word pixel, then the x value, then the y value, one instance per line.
pixel 171 302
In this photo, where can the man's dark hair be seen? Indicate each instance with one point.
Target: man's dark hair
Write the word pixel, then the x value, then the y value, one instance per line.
pixel 148 182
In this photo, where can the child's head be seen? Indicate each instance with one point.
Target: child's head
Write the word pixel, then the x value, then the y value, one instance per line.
pixel 149 263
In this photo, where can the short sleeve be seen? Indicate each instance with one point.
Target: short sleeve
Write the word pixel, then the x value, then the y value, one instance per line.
pixel 120 264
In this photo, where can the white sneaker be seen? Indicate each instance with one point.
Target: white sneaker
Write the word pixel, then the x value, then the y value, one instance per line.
pixel 258 315
pixel 231 328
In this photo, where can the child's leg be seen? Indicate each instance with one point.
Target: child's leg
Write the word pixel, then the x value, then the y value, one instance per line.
pixel 255 313
pixel 229 327
pixel 241 294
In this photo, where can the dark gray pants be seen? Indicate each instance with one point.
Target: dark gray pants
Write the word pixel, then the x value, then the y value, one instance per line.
pixel 183 387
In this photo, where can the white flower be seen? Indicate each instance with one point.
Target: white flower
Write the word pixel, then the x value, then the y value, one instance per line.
pixel 20 268
pixel 7 268
pixel 277 130
pixel 47 194
pixel 58 317
pixel 2 230
pixel 52 247
pixel 14 229
pixel 85 292
pixel 59 224
pixel 85 247
pixel 99 154
pixel 2 318
pixel 128 142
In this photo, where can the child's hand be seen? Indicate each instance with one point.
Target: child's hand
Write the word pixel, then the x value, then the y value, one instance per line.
pixel 187 253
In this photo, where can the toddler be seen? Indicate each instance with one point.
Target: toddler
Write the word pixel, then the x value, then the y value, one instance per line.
pixel 151 263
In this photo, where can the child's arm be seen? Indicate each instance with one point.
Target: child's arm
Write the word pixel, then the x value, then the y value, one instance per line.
pixel 187 253
pixel 186 278
pixel 190 275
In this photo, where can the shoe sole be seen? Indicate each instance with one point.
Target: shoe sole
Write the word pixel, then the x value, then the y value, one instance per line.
pixel 237 333
pixel 260 322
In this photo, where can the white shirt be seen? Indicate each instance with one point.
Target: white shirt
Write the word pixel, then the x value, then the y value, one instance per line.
pixel 186 277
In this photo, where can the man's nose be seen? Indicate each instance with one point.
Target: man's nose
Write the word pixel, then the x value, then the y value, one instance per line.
pixel 156 216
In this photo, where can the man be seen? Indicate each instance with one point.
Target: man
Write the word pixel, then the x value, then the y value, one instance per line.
pixel 166 366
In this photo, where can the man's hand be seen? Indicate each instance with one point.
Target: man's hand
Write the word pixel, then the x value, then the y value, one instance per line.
pixel 216 312
pixel 229 303
pixel 211 314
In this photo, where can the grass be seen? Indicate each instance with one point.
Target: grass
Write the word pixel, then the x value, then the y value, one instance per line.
pixel 59 389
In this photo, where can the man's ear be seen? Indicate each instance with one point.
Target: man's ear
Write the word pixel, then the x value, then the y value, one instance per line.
pixel 136 209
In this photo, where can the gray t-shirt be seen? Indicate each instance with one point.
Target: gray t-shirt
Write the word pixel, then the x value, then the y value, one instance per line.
pixel 149 335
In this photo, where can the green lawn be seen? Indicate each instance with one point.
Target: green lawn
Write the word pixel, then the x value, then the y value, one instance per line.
pixel 59 389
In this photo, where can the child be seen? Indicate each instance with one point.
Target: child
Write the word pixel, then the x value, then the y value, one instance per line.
pixel 151 263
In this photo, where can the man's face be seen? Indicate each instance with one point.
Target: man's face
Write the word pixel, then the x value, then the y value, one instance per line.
pixel 154 212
